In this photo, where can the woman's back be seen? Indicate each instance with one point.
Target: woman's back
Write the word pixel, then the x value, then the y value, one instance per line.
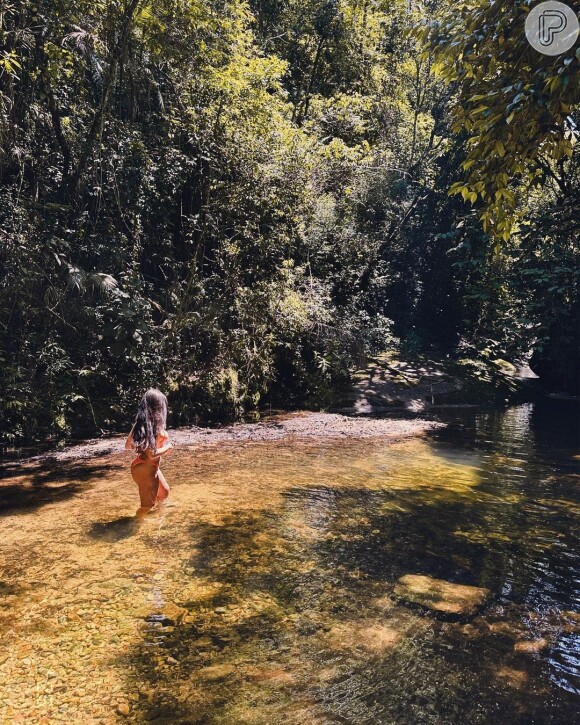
pixel 148 454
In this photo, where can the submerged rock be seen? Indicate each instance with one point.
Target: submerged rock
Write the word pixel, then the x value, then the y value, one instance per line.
pixel 173 612
pixel 531 646
pixel 571 622
pixel 511 630
pixel 203 643
pixel 273 675
pixel 441 596
pixel 370 636
pixel 512 677
pixel 215 673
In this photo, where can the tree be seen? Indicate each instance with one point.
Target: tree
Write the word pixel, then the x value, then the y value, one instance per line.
pixel 516 109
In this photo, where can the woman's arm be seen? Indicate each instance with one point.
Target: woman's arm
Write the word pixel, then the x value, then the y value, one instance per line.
pixel 164 449
pixel 163 444
pixel 129 441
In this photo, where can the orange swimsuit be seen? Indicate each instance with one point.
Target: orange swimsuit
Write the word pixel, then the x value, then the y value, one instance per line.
pixel 146 474
pixel 144 458
pixel 147 455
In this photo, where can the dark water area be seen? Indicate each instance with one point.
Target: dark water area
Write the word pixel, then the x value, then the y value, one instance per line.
pixel 272 593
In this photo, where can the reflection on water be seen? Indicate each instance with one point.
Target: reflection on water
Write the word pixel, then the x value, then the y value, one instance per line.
pixel 266 593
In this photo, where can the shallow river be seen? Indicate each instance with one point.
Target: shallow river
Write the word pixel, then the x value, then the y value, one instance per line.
pixel 265 593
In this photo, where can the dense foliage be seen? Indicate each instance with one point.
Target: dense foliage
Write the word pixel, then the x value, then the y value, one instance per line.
pixel 237 202
pixel 515 105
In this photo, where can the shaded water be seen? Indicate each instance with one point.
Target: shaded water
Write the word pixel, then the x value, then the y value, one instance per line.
pixel 265 594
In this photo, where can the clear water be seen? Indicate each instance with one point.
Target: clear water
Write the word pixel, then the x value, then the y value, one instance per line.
pixel 265 594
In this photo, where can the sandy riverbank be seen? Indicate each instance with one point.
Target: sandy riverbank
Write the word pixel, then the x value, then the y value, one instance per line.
pixel 302 425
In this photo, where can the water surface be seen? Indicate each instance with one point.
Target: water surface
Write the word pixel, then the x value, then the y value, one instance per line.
pixel 265 594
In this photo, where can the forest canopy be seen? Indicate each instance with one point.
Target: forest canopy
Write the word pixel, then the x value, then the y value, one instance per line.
pixel 238 201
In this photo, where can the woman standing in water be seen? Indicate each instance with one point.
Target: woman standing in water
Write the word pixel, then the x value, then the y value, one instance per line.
pixel 149 439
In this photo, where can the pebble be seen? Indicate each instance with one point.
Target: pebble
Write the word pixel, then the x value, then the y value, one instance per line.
pixel 123 709
pixel 203 642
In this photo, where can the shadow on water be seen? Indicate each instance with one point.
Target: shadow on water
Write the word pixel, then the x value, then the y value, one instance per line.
pixel 115 530
pixel 39 486
pixel 268 595
pixel 296 622
pixel 7 589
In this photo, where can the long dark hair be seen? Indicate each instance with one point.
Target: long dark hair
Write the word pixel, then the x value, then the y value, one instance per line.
pixel 151 418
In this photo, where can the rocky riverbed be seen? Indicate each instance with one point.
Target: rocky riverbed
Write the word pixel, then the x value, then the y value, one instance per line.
pixel 294 579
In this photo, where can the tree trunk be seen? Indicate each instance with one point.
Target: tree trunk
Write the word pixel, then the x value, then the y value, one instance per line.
pixel 96 128
pixel 306 104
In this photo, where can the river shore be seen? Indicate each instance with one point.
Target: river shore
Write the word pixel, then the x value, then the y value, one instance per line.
pixel 300 425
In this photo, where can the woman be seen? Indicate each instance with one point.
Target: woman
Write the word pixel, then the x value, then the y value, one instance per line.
pixel 149 438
